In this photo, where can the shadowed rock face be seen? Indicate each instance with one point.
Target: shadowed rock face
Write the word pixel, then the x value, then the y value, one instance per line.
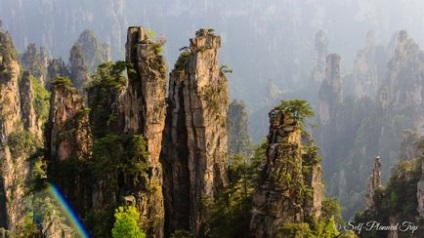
pixel 374 182
pixel 143 106
pixel 68 143
pixel 195 147
pixel 11 167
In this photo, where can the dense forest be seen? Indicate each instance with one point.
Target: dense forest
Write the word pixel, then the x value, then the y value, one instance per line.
pixel 131 133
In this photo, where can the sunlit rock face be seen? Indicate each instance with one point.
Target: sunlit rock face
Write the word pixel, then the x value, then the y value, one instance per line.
pixel 144 110
pixel 195 148
pixel 279 198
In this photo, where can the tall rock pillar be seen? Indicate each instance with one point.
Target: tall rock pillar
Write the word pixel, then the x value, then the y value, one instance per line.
pixel 331 91
pixel 195 148
pixel 68 143
pixel 373 183
pixel 144 109
pixel 279 199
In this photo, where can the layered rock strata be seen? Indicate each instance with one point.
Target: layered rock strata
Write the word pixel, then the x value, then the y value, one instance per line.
pixel 290 170
pixel 195 149
pixel 278 199
pixel 144 107
pixel 374 182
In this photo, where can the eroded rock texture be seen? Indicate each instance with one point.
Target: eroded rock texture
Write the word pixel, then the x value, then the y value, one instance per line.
pixel 68 142
pixel 20 135
pixel 278 199
pixel 144 108
pixel 374 182
pixel 239 142
pixel 12 165
pixel 321 49
pixel 370 68
pixel 195 148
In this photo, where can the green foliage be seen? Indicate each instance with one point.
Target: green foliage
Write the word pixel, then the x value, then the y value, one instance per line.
pixel 22 142
pixel 230 212
pixel 331 208
pixel 224 69
pixel 103 91
pixel 296 230
pixel 30 60
pixel 322 229
pixel 109 75
pixel 64 81
pixel 41 100
pixel 28 228
pixel 182 234
pixel 182 61
pixel 7 49
pixel 398 199
pixel 115 154
pixel 126 223
pixel 347 234
pixel 327 229
pixel 298 109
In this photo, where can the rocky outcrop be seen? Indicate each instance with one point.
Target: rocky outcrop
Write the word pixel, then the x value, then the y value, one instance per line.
pixel 278 200
pixel 12 164
pixel 56 67
pixel 370 68
pixel 94 51
pixel 35 61
pixel 374 183
pixel 312 176
pixel 195 146
pixel 144 109
pixel 30 122
pixel 239 142
pixel 68 142
pixel 77 67
pixel 20 136
pixel 331 91
pixel 321 49
pixel 403 88
pixel 67 132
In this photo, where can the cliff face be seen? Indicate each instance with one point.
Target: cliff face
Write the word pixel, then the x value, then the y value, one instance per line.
pixel 331 91
pixel 374 182
pixel 278 200
pixel 195 148
pixel 77 67
pixel 94 51
pixel 35 61
pixel 12 165
pixel 144 110
pixel 321 49
pixel 68 142
pixel 67 134
pixel 370 68
pixel 238 138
